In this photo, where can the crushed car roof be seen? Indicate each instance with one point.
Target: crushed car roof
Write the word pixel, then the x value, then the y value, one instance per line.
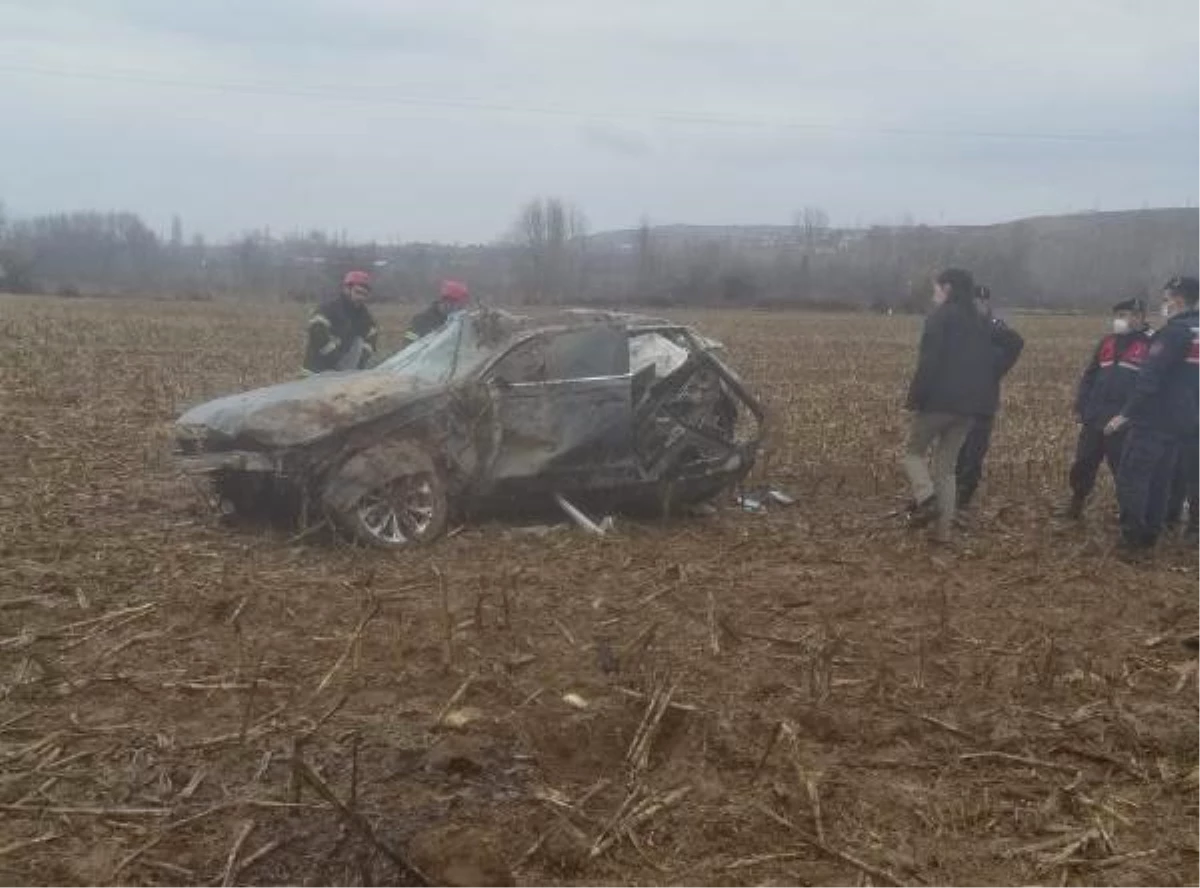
pixel 301 411
pixel 563 317
pixel 495 326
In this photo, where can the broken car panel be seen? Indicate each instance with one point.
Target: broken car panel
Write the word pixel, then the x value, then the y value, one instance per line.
pixel 599 406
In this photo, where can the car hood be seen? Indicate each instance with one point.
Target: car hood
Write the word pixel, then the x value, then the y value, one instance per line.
pixel 295 413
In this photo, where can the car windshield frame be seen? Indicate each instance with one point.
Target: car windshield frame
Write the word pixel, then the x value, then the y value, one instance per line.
pixel 451 353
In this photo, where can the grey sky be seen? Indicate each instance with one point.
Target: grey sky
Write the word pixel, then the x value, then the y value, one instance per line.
pixel 435 120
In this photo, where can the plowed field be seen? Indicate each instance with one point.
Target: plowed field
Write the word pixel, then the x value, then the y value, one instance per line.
pixel 808 696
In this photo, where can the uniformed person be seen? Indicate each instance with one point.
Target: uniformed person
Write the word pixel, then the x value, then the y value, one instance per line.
pixel 453 297
pixel 1161 413
pixel 1103 390
pixel 342 333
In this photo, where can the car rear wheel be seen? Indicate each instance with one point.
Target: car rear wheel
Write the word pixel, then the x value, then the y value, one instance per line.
pixel 408 509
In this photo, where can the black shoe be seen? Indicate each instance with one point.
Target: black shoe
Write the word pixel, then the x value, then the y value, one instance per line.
pixel 922 514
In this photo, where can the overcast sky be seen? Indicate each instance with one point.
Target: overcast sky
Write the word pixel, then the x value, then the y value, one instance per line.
pixel 436 120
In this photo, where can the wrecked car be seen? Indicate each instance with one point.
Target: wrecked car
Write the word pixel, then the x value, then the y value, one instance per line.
pixel 611 410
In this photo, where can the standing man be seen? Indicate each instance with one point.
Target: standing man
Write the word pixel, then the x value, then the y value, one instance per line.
pixel 954 383
pixel 342 332
pixel 1103 390
pixel 1007 345
pixel 454 297
pixel 1161 413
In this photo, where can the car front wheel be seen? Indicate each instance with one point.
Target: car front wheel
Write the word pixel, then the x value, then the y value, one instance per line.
pixel 408 509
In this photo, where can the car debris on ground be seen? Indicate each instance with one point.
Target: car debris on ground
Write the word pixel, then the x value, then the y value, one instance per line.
pixel 760 500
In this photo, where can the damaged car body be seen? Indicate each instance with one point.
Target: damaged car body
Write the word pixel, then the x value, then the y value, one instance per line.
pixel 613 410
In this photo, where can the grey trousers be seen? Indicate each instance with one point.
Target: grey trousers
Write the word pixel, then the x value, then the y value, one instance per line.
pixel 944 433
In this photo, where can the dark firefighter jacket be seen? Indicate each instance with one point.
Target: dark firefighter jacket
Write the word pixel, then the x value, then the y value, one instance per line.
pixel 425 322
pixel 332 332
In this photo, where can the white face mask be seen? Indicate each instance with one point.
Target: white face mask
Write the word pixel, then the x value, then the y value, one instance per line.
pixel 1120 326
pixel 1166 310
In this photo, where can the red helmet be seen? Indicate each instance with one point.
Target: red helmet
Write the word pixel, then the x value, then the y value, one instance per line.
pixel 455 293
pixel 356 279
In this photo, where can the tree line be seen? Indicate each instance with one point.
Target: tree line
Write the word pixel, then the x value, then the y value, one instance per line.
pixel 548 256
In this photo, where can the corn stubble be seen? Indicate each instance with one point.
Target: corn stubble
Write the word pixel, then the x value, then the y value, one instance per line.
pixel 809 695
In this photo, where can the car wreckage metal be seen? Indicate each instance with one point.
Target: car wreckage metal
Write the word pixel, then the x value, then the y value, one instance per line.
pixel 610 409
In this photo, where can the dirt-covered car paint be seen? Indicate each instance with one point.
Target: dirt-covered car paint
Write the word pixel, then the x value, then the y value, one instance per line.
pixel 602 405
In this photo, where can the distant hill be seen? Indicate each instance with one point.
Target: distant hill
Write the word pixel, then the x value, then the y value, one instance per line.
pixel 1081 259
pixel 750 237
pixel 1086 260
pixel 1167 221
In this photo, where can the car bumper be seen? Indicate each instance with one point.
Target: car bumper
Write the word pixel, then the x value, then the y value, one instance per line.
pixel 227 461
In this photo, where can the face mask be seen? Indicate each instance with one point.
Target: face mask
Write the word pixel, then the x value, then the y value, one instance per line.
pixel 1120 326
pixel 1166 310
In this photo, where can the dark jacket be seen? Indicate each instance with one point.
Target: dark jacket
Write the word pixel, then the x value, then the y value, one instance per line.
pixel 957 364
pixel 333 331
pixel 1007 345
pixel 1108 381
pixel 1165 394
pixel 427 321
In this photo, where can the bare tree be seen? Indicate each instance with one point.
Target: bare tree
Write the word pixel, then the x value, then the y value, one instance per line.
pixel 1064 261
pixel 813 223
pixel 647 261
pixel 550 233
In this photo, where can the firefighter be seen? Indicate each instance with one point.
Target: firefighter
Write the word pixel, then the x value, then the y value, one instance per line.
pixel 1161 413
pixel 342 333
pixel 1105 386
pixel 1007 345
pixel 453 297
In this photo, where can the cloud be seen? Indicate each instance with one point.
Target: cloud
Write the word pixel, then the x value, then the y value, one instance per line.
pixel 621 141
pixel 437 119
